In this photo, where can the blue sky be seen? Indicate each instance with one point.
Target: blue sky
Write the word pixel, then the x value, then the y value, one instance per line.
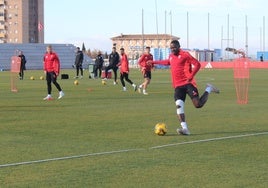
pixel 95 22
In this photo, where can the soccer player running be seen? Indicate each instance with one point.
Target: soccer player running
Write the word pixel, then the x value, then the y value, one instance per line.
pixel 52 70
pixel 183 68
pixel 145 70
pixel 124 70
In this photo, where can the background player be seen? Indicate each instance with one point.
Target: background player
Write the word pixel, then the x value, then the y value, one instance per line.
pixel 114 60
pixel 79 57
pixel 145 70
pixel 124 70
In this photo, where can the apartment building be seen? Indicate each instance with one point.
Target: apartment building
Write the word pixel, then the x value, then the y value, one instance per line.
pixel 21 21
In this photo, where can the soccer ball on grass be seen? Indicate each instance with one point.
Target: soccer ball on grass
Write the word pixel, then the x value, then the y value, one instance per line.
pixel 160 129
pixel 76 82
pixel 103 82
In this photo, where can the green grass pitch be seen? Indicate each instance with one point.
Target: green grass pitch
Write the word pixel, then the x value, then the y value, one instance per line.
pixel 114 130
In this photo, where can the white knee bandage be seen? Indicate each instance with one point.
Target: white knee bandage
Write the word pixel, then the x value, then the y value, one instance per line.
pixel 180 106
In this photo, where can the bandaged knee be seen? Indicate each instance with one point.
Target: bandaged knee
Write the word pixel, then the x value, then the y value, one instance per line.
pixel 180 106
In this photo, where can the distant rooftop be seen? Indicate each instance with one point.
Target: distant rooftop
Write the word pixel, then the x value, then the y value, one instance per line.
pixel 145 36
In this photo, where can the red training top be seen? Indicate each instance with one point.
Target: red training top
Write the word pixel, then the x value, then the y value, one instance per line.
pixel 124 64
pixel 52 63
pixel 143 62
pixel 182 71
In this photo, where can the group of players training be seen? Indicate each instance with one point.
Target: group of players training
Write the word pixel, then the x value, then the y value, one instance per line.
pixel 183 68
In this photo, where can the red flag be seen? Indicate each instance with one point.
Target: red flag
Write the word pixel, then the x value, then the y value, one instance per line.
pixel 40 27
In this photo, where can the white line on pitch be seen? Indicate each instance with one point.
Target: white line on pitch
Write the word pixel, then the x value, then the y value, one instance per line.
pixel 127 150
pixel 208 140
pixel 68 157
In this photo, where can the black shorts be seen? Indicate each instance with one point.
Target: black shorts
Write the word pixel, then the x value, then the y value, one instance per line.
pixel 147 74
pixel 51 77
pixel 181 91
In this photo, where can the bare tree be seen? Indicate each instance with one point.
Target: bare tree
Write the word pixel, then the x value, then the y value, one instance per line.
pixel 94 53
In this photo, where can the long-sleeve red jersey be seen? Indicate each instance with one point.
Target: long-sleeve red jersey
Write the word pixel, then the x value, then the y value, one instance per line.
pixel 143 62
pixel 124 64
pixel 52 63
pixel 183 68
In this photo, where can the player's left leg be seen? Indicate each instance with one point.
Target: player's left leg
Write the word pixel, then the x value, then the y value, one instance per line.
pixel 20 73
pixel 129 81
pixel 100 70
pixel 77 71
pixel 194 95
pixel 81 71
pixel 54 81
pixel 95 71
pixel 147 79
pixel 115 75
pixel 144 85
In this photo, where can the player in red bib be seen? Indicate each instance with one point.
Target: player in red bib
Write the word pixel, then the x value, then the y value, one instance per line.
pixel 145 70
pixel 124 70
pixel 183 68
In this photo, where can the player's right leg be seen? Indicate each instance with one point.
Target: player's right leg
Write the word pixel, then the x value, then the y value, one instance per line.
pixel 181 115
pixel 179 96
pixel 106 72
pixel 77 71
pixel 49 88
pixel 115 75
pixel 122 81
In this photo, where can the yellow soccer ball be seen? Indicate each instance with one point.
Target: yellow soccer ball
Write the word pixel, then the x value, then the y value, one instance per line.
pixel 41 77
pixel 103 82
pixel 76 82
pixel 32 78
pixel 160 129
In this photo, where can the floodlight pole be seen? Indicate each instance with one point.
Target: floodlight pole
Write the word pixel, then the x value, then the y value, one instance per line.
pixel 156 20
pixel 263 33
pixel 246 45
pixel 187 30
pixel 208 33
pixel 170 25
pixel 142 30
